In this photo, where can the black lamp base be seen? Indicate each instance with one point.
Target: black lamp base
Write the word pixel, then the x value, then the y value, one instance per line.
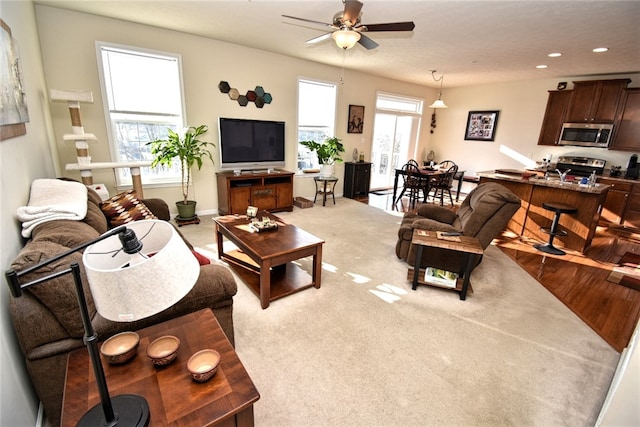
pixel 130 410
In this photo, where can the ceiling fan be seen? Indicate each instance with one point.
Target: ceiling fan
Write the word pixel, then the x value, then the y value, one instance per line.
pixel 347 30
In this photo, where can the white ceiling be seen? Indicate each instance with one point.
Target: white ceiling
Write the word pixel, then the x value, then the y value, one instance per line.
pixel 470 42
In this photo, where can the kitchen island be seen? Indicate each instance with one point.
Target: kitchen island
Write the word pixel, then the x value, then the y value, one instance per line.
pixel 531 217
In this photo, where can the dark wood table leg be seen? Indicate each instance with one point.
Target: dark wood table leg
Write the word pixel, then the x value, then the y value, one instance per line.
pixel 395 190
pixel 265 283
pixel 219 241
pixel 468 261
pixel 416 267
pixel 316 274
pixel 324 194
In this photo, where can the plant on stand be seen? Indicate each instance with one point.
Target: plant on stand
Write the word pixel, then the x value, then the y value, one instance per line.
pixel 189 151
pixel 328 152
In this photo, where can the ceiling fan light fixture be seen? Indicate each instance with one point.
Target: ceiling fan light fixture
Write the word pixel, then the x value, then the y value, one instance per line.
pixel 346 39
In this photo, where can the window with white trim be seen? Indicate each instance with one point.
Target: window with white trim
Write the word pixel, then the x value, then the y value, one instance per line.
pixel 142 92
pixel 316 117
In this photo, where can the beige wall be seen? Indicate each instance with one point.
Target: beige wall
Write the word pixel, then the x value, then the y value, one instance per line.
pixel 521 106
pixel 68 45
pixel 22 159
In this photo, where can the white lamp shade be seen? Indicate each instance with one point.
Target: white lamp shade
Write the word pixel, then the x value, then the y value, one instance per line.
pixel 438 103
pixel 124 289
pixel 346 39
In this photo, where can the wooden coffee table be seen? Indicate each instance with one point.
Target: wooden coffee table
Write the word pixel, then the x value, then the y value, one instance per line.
pixel 263 260
pixel 174 398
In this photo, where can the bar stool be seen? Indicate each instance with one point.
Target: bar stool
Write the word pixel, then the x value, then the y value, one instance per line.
pixel 559 209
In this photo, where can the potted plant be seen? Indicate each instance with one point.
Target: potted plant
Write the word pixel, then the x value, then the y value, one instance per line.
pixel 328 152
pixel 187 149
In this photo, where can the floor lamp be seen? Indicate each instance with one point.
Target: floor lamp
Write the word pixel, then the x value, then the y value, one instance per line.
pixel 127 283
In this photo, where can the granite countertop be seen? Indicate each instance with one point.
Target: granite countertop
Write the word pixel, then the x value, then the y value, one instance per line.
pixel 554 182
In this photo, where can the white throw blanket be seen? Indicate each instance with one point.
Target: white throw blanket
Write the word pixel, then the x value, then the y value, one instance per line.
pixel 50 200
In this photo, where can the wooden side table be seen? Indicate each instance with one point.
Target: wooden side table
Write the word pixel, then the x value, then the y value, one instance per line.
pixel 174 398
pixel 469 246
pixel 325 185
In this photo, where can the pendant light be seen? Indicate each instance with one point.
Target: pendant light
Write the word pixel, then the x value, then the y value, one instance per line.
pixel 438 103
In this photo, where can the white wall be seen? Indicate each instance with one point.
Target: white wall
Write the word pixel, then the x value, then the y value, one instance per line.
pixel 22 159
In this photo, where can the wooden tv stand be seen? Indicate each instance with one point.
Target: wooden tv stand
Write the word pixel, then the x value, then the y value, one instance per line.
pixel 267 190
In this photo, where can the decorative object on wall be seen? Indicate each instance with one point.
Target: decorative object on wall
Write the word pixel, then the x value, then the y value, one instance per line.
pixel 481 125
pixel 14 113
pixel 258 96
pixel 355 119
pixel 433 121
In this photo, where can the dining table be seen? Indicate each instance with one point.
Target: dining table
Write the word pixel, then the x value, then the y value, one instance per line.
pixel 427 172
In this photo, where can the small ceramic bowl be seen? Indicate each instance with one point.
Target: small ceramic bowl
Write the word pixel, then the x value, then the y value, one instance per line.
pixel 120 347
pixel 203 365
pixel 163 350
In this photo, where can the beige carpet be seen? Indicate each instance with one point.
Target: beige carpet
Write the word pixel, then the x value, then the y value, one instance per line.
pixel 366 350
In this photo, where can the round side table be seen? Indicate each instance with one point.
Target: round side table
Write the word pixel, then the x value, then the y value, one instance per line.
pixel 325 185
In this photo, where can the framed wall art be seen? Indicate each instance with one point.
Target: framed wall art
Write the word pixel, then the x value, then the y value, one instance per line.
pixel 355 119
pixel 481 125
pixel 14 112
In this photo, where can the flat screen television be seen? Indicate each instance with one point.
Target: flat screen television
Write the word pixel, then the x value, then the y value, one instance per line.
pixel 251 144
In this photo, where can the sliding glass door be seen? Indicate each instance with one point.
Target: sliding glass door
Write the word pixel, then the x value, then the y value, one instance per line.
pixel 395 136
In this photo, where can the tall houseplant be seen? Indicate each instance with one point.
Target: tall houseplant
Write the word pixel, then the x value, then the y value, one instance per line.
pixel 189 151
pixel 328 152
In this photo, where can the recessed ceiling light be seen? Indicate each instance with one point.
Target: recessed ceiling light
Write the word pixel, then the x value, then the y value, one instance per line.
pixel 601 49
pixel 542 66
pixel 554 55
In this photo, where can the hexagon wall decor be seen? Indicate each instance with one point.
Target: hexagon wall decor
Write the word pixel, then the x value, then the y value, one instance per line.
pixel 258 96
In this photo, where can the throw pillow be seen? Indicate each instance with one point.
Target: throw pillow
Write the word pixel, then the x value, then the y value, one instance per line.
pixel 125 207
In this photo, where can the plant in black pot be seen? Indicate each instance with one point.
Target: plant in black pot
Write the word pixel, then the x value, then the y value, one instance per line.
pixel 189 151
pixel 328 152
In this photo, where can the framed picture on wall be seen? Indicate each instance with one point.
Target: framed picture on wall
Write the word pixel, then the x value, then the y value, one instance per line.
pixel 14 113
pixel 481 125
pixel 355 121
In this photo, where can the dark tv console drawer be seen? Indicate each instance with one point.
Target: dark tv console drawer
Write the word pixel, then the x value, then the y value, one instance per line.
pixel 271 191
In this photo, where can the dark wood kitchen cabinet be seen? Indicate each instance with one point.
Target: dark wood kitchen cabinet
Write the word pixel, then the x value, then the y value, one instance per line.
pixel 554 117
pixel 627 136
pixel 357 177
pixel 614 206
pixel 632 212
pixel 596 101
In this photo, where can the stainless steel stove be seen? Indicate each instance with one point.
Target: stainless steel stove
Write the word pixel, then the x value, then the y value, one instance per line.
pixel 580 166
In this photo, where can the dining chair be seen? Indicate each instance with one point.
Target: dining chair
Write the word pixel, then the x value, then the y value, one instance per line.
pixel 443 182
pixel 413 183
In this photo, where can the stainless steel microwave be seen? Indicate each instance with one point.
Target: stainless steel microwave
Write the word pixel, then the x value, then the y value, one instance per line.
pixel 586 134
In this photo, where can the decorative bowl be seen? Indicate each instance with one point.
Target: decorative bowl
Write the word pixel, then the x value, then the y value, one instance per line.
pixel 120 347
pixel 203 365
pixel 163 350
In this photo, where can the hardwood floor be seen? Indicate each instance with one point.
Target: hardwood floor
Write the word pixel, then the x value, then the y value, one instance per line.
pixel 579 281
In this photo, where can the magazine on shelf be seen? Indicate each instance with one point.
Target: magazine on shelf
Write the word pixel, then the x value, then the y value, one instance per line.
pixel 440 277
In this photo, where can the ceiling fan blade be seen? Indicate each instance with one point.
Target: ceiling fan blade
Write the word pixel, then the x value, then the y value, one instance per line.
pixel 367 42
pixel 390 26
pixel 319 38
pixel 352 10
pixel 308 20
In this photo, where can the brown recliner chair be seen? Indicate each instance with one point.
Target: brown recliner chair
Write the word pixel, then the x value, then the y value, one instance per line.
pixel 484 213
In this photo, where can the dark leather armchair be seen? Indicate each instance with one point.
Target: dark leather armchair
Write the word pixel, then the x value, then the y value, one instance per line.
pixel 483 214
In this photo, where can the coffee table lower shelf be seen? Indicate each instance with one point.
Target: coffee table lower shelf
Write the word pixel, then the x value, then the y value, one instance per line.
pixel 286 279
